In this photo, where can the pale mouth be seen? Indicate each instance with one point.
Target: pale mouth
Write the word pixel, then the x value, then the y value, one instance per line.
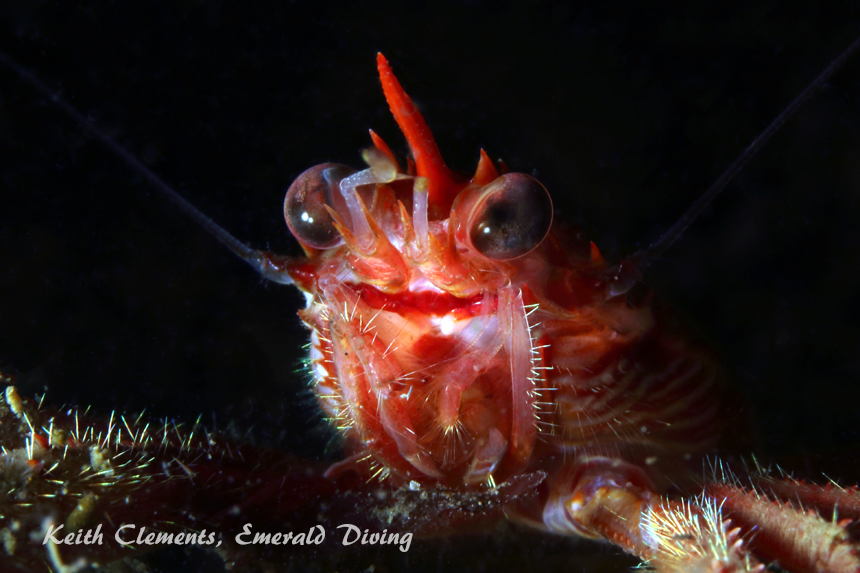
pixel 424 380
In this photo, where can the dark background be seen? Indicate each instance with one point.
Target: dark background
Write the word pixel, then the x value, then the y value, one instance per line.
pixel 109 298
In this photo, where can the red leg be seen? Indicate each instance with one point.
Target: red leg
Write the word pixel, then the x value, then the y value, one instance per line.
pixel 610 499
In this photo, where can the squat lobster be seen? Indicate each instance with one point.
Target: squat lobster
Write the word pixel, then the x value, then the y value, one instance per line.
pixel 471 354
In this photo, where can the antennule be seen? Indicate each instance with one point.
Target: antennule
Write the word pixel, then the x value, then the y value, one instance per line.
pixel 270 266
pixel 641 259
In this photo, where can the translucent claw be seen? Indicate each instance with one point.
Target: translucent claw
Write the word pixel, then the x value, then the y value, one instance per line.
pixel 380 170
pixel 377 261
pixel 420 195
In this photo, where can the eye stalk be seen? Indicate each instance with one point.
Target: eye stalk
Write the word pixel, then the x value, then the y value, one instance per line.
pixel 304 205
pixel 509 217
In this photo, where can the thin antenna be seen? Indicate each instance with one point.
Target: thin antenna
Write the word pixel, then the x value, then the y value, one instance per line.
pixel 641 259
pixel 270 266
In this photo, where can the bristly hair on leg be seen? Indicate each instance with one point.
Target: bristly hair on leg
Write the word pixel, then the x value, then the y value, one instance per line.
pixel 694 536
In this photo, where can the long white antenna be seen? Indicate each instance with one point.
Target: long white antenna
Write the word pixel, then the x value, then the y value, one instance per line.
pixel 641 259
pixel 269 265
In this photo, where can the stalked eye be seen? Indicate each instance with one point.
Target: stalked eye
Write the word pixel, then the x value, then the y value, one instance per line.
pixel 512 217
pixel 304 206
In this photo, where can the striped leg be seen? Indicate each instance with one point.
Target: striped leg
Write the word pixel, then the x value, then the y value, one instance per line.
pixel 609 499
pixel 725 529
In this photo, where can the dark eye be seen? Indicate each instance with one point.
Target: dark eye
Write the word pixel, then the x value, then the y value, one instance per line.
pixel 304 206
pixel 512 217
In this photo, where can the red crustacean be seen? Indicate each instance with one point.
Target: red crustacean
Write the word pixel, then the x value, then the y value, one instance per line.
pixel 464 342
pixel 458 338
pixel 451 327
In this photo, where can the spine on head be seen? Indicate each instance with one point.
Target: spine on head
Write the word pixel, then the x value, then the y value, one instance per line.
pixel 428 161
